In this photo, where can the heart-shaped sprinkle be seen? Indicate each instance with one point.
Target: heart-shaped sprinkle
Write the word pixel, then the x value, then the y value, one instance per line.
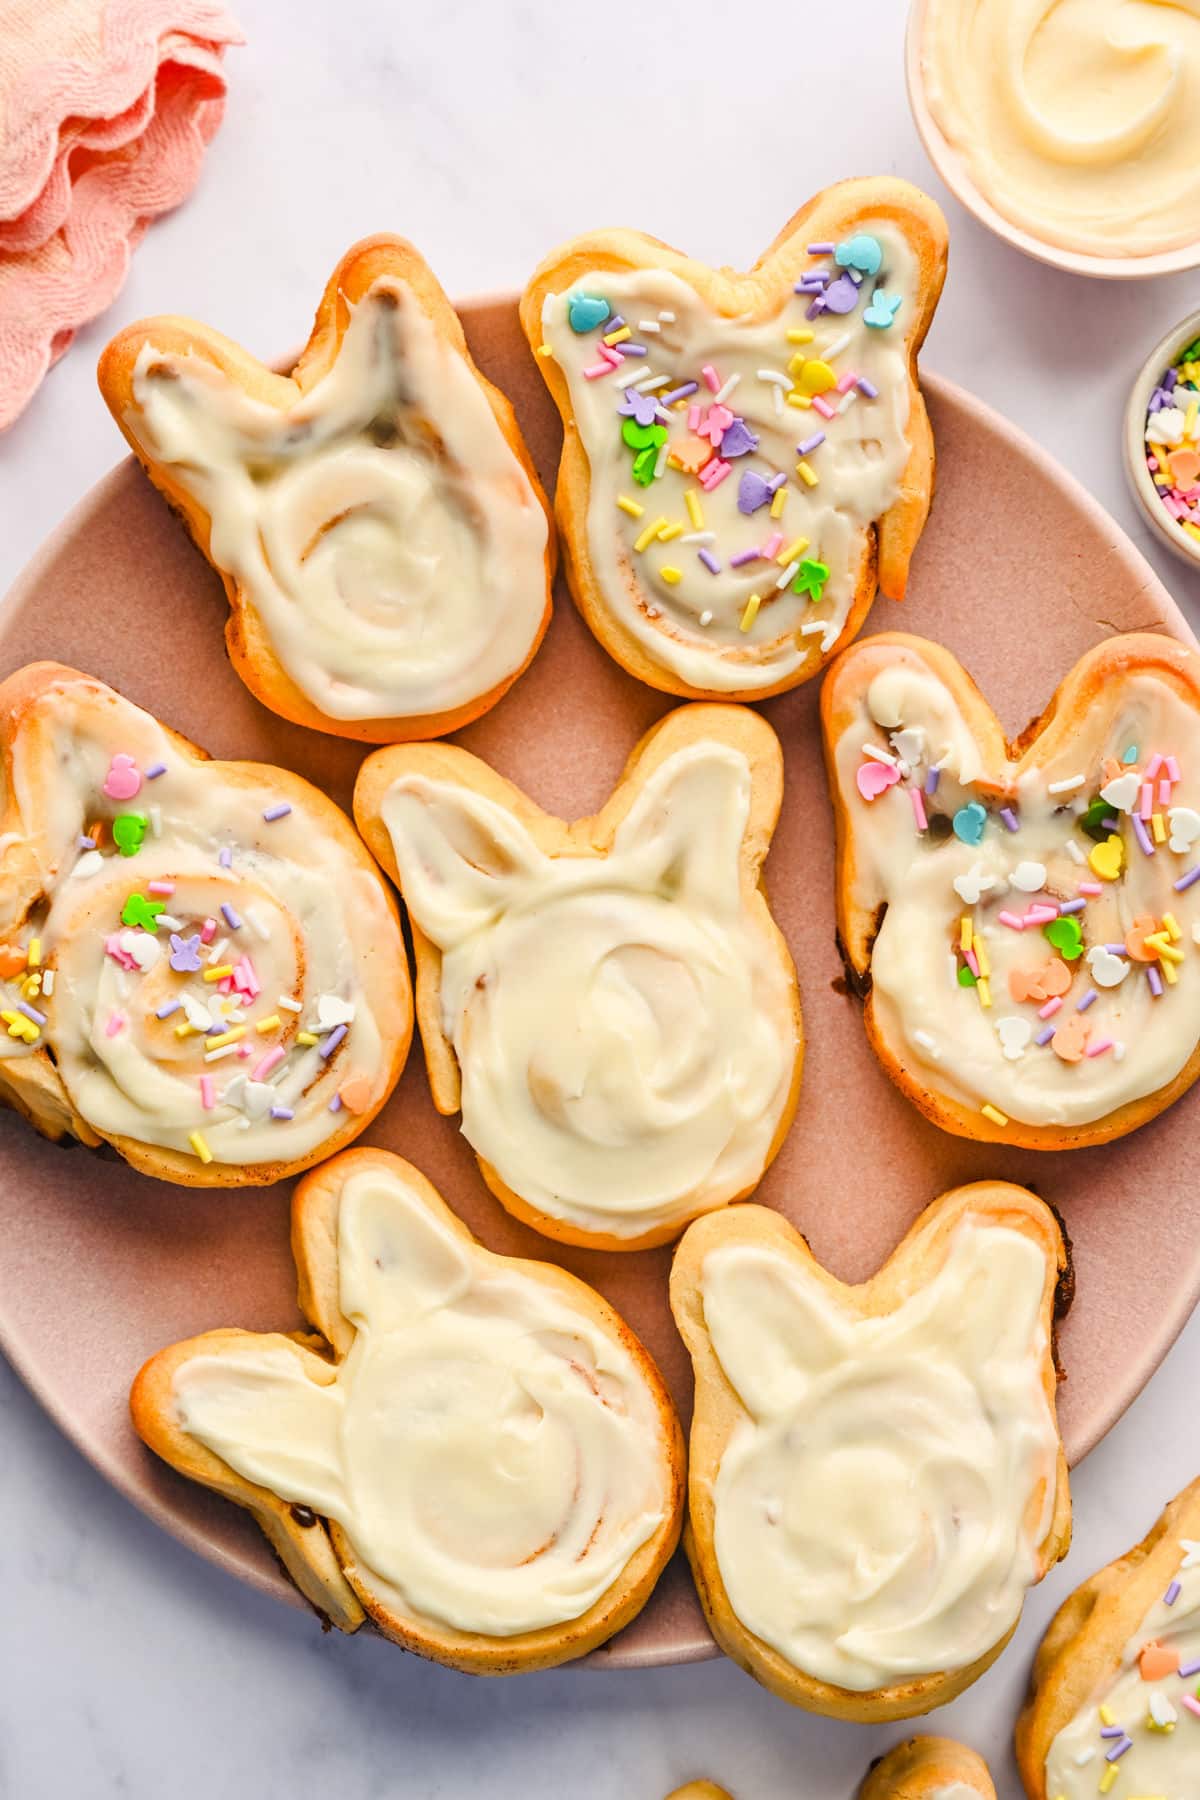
pixel 1066 936
pixel 585 311
pixel 1157 1661
pixel 1107 859
pixel 333 1010
pixel 141 912
pixel 122 781
pixel 129 832
pixel 1014 1035
pixel 862 252
pixel 815 377
pixel 1029 877
pixel 841 296
pixel 1185 828
pixel 969 822
pixel 1122 794
pixel 1070 1040
pixel 882 310
pixel 738 440
pixel 971 887
pixel 874 778
pixel 1185 467
pixel 753 491
pixel 1107 969
pixel 1145 925
pixel 355 1094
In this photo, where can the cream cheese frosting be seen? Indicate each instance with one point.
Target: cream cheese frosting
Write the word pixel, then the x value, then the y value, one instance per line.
pixel 493 1455
pixel 686 593
pixel 382 528
pixel 623 1025
pixel 978 977
pixel 878 1511
pixel 1147 1724
pixel 229 983
pixel 1078 119
pixel 954 1790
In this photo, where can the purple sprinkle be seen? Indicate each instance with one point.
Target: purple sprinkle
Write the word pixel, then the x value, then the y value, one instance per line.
pixel 1188 880
pixel 31 1012
pixel 1111 824
pixel 1169 380
pixel 679 393
pixel 1087 1000
pixel 817 308
pixel 1118 1750
pixel 868 388
pixel 1155 980
pixel 335 1105
pixel 1142 835
pixel 631 349
pixel 811 443
pixel 1112 1731
pixel 744 556
pixel 613 324
pixel 333 1040
pixel 85 843
pixel 167 1008
pixel 815 282
pixel 1172 1594
pixel 777 481
pixel 1010 818
pixel 282 1112
pixel 1071 906
pixel 710 562
pixel 232 918
pixel 931 781
pixel 226 858
pixel 154 771
pixel 1188 1669
pixel 821 249
pixel 1116 949
pixel 277 812
pixel 1043 1037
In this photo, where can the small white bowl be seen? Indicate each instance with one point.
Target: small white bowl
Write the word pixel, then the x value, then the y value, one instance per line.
pixel 954 171
pixel 1160 359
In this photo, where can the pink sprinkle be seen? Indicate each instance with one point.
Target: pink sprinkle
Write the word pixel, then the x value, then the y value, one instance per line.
pixel 208 931
pixel 1153 766
pixel 611 355
pixel 1172 769
pixel 160 887
pixel 693 417
pixel 712 378
pixel 771 547
pixel 594 371
pixel 1011 920
pixel 243 1051
pixel 1100 1048
pixel 206 1092
pixel 115 1021
pixel 270 1061
pixel 1191 1702
pixel 822 406
pixel 918 806
pixel 1164 793
pixel 1051 1007
pixel 972 962
pixel 846 383
pixel 1146 809
pixel 1091 888
pixel 713 474
pixel 1040 915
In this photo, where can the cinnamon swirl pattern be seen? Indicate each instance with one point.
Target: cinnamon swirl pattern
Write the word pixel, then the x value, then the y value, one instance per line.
pixel 489 1467
pixel 199 963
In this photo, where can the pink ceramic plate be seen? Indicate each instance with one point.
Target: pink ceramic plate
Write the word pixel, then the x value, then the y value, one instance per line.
pixel 1018 572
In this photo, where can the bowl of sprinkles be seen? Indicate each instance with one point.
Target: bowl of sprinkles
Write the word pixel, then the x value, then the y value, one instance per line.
pixel 1162 439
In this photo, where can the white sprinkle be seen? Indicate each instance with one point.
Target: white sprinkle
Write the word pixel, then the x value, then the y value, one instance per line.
pixel 649 383
pixel 1118 1050
pixel 698 537
pixel 847 400
pixel 1084 1757
pixel 1073 851
pixel 90 863
pixel 706 617
pixel 874 750
pixel 217 952
pixel 644 380
pixel 787 575
pixel 837 346
pixel 169 922
pixel 722 394
pixel 258 924
pixel 925 1041
pixel 288 1004
pixel 775 376
pixel 155 816
pixel 216 1055
pixel 651 325
pixel 810 630
pixel 668 318
pixel 660 461
pixel 1066 787
pixel 48 982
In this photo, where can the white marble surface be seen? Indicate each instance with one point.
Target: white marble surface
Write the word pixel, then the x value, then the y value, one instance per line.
pixel 486 133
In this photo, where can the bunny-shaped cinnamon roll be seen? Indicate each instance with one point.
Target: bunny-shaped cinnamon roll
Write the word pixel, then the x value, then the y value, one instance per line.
pixel 479 1456
pixel 610 1002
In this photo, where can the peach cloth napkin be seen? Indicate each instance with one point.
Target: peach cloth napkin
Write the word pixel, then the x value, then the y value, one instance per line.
pixel 106 109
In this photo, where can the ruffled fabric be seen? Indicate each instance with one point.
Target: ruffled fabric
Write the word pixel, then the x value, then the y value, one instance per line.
pixel 106 109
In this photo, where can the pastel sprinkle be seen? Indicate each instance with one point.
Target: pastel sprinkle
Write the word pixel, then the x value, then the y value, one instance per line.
pixel 199 1144
pixel 1010 818
pixel 279 811
pixel 994 1114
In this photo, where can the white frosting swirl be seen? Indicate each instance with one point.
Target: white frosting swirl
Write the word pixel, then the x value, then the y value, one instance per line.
pixel 493 1454
pixel 623 1024
pixel 879 1510
pixel 381 527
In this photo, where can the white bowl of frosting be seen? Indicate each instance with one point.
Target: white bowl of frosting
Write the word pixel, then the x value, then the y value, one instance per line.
pixel 1071 128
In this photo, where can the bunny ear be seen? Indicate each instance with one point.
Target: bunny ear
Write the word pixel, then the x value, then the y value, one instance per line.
pixel 688 822
pixel 770 1335
pixel 259 1409
pixel 985 1300
pixel 397 1261
pixel 460 857
pixel 191 410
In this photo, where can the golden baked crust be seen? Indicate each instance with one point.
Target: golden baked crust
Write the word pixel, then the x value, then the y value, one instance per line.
pixel 834 213
pixel 382 257
pixel 699 1790
pixel 30 700
pixel 719 1411
pixel 916 1769
pixel 734 726
pixel 1087 1635
pixel 318 1555
pixel 1079 710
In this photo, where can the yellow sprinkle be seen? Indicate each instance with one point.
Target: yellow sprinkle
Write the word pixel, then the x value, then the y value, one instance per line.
pixel 965 933
pixel 751 613
pixel 800 335
pixel 31 987
pixel 1159 941
pixel 779 502
pixel 1158 453
pixel 806 474
pixel 691 500
pixel 630 506
pixel 669 532
pixel 1189 421
pixel 994 1114
pixel 219 972
pixel 795 549
pixel 1106 1715
pixel 619 336
pixel 271 1024
pixel 199 1144
pixel 184 1030
pixel 1158 828
pixel 545 350
pixel 1192 530
pixel 305 1037
pixel 981 957
pixel 225 1037
pixel 671 576
pixel 1172 927
pixel 983 989
pixel 33 955
pixel 800 400
pixel 648 535
pixel 1109 1777
pixel 1170 972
